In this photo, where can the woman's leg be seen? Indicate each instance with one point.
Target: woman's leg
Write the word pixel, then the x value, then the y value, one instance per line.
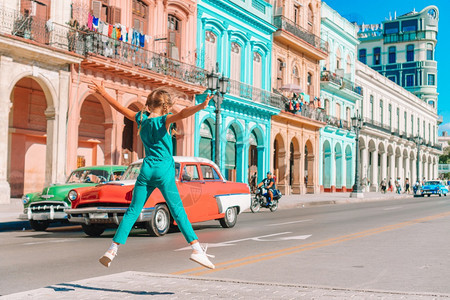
pixel 170 193
pixel 141 193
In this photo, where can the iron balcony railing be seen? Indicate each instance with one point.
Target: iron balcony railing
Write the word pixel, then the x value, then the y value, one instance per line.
pixel 85 43
pixel 342 82
pixel 237 88
pixel 284 23
pixel 339 123
pixel 130 54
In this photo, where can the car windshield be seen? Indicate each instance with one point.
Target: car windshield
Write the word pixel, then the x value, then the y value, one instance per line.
pixel 88 176
pixel 133 170
pixel 432 183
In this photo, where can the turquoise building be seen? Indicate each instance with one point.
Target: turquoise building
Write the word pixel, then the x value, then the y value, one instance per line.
pixel 237 34
pixel 339 96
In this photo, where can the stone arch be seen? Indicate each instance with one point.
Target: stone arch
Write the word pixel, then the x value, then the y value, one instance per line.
pixel 207 138
pixel 327 161
pixel 294 165
pixel 30 138
pixel 234 152
pixel 309 171
pixel 256 152
pixel 132 147
pixel 338 160
pixel 279 159
pixel 348 167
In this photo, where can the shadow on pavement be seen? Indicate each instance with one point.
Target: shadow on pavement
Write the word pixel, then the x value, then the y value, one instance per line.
pixel 71 287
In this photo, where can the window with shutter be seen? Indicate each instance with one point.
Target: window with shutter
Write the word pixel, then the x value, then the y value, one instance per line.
pixel 97 9
pixel 114 15
pixel 140 16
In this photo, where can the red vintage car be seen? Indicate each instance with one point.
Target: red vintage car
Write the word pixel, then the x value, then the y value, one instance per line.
pixel 206 195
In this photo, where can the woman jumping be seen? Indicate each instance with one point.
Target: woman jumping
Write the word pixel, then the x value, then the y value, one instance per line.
pixel 158 168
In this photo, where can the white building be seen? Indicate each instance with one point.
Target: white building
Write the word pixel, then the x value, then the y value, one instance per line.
pixel 396 125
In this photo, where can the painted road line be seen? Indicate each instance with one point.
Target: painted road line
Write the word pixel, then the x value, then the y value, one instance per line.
pixel 393 208
pixel 231 243
pixel 293 222
pixel 305 247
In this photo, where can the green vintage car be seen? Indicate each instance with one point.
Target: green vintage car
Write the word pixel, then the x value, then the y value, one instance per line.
pixel 48 206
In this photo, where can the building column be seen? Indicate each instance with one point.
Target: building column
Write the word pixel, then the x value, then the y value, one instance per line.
pixel 383 165
pixel 400 168
pixel 5 106
pixel 391 174
pixel 332 169
pixel 296 174
pixel 364 165
pixel 374 185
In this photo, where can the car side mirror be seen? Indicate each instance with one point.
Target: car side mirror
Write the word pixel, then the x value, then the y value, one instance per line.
pixel 186 177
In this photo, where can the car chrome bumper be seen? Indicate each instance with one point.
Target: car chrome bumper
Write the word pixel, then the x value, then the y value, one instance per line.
pixel 50 215
pixel 104 215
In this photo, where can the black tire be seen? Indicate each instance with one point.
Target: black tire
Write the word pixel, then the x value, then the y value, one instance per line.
pixel 230 218
pixel 429 195
pixel 159 225
pixel 255 206
pixel 39 225
pixel 274 205
pixel 93 229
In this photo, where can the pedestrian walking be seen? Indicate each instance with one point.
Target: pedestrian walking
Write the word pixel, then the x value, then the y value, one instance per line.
pixel 398 187
pixel 391 188
pixel 406 186
pixel 158 167
pixel 383 186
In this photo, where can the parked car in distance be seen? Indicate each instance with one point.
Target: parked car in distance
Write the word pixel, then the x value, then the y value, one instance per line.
pixel 43 208
pixel 434 187
pixel 206 195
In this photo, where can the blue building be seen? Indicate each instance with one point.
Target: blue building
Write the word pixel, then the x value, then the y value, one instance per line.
pixel 237 35
pixel 339 96
pixel 402 49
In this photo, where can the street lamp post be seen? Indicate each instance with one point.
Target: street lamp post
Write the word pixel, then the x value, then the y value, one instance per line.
pixel 219 84
pixel 418 140
pixel 357 124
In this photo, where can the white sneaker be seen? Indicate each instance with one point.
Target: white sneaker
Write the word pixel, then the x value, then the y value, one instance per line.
pixel 107 258
pixel 202 258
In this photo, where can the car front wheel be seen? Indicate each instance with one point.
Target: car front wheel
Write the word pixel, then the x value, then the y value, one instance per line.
pixel 230 218
pixel 159 225
pixel 93 229
pixel 39 225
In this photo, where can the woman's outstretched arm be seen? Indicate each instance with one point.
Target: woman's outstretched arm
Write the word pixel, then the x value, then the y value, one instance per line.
pixel 100 89
pixel 188 111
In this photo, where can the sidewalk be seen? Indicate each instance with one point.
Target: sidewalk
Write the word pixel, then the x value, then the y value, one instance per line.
pixel 10 212
pixel 142 285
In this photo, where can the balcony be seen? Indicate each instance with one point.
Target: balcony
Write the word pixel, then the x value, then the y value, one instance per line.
pixel 409 36
pixel 128 55
pixel 96 51
pixel 341 85
pixel 290 33
pixel 253 94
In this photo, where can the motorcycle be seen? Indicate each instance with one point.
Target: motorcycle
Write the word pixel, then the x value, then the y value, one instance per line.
pixel 261 200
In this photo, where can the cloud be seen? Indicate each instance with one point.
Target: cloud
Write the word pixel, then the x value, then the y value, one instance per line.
pixel 444 127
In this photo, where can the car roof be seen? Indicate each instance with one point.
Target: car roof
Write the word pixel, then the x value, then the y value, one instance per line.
pixel 184 159
pixel 103 167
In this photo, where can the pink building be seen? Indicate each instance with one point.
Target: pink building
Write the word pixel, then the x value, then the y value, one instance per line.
pixel 55 124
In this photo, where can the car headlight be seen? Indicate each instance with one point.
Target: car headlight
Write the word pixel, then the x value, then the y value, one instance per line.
pixel 25 199
pixel 72 195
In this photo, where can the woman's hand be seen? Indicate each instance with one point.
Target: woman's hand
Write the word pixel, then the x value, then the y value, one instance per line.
pixel 206 102
pixel 96 87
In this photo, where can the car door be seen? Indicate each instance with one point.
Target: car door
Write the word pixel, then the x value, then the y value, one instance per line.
pixel 191 188
pixel 213 185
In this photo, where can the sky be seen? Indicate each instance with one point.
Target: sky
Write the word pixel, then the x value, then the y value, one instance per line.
pixel 373 12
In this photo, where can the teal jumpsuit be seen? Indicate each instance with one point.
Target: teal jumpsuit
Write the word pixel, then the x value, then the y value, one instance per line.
pixel 157 171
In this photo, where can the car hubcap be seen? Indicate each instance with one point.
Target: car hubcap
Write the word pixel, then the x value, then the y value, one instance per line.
pixel 230 215
pixel 161 220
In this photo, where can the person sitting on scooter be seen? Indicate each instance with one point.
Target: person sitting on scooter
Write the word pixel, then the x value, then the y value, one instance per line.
pixel 269 184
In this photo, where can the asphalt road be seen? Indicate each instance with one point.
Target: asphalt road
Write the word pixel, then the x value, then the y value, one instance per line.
pixel 399 245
